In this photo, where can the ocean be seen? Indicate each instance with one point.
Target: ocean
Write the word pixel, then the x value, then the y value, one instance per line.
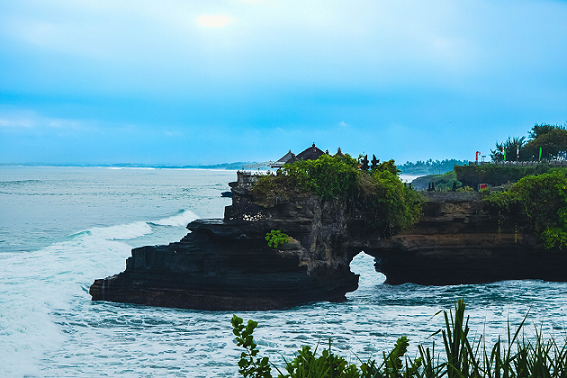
pixel 63 227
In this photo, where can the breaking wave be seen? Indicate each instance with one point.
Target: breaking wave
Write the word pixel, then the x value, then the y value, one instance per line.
pixel 178 220
pixel 138 229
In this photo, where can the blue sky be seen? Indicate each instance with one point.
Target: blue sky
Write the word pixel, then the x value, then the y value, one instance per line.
pixel 204 82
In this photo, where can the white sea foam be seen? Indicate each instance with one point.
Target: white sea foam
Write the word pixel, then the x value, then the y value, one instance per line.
pixel 138 229
pixel 42 283
pixel 49 327
pixel 122 231
pixel 180 219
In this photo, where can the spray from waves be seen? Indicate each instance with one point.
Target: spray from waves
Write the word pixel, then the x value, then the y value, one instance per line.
pixel 50 280
pixel 178 220
pixel 121 231
pixel 47 284
pixel 138 229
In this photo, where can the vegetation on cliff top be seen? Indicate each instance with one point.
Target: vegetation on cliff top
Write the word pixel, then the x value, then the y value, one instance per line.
pixel 495 175
pixel 462 357
pixel 443 182
pixel 377 195
pixel 551 139
pixel 543 198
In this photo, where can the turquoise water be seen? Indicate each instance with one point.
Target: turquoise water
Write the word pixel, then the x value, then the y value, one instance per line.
pixel 61 228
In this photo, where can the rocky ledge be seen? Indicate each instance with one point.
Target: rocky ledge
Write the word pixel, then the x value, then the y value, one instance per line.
pixel 226 264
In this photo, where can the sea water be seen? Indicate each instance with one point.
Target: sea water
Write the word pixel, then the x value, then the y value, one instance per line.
pixel 61 228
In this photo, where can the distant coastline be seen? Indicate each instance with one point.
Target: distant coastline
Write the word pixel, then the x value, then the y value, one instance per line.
pixel 408 169
pixel 227 166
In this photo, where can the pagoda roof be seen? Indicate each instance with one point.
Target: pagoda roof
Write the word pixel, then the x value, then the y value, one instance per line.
pixel 287 158
pixel 311 153
pixel 339 153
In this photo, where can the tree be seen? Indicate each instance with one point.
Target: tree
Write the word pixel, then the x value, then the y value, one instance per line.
pixel 552 139
pixel 510 146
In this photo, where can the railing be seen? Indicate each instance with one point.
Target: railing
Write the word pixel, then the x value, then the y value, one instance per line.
pixel 553 163
pixel 268 164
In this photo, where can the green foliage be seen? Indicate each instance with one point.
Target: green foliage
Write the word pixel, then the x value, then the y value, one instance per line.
pixel 554 237
pixel 443 182
pixel 385 201
pixel 378 194
pixel 462 358
pixel 327 365
pixel 552 139
pixel 543 198
pixel 249 365
pixel 511 147
pixel 328 177
pixel 276 238
pixel 494 174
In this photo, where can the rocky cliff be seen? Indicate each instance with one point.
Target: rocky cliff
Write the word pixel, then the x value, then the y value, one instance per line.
pixel 459 241
pixel 226 264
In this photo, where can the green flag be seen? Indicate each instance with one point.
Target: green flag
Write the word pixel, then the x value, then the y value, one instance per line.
pixel 504 155
pixel 540 154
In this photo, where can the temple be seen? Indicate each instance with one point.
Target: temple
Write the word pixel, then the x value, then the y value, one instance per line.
pixel 311 153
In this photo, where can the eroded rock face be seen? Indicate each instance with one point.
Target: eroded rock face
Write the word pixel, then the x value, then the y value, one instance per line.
pixel 458 241
pixel 226 264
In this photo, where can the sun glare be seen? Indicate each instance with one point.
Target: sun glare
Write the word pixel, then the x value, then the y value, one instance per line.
pixel 213 21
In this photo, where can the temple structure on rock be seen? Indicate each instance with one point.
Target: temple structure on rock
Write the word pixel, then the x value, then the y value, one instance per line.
pixel 311 153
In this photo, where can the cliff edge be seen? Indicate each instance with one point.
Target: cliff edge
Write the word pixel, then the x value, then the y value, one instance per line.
pixel 226 264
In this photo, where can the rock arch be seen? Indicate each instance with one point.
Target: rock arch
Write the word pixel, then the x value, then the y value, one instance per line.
pixel 226 264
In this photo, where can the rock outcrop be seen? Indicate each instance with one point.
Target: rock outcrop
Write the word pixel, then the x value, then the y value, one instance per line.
pixel 459 241
pixel 226 264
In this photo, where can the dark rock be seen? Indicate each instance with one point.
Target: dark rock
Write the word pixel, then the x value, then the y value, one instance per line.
pixel 457 242
pixel 226 264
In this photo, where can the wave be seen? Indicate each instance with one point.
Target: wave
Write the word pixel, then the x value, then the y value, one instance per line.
pixel 182 218
pixel 142 168
pixel 138 229
pixel 45 288
pixel 122 231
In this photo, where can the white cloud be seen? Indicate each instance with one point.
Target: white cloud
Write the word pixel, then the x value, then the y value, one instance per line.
pixel 17 122
pixel 343 124
pixel 33 122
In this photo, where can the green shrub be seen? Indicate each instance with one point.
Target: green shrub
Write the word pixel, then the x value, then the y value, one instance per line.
pixel 385 202
pixel 276 238
pixel 443 182
pixel 495 174
pixel 378 195
pixel 543 198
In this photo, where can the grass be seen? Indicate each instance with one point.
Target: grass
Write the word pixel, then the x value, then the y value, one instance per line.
pixel 461 357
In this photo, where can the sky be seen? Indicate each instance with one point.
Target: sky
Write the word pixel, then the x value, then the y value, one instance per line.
pixel 182 82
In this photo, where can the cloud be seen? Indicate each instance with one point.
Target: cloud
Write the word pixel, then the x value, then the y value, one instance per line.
pixel 29 121
pixel 214 21
pixel 17 122
pixel 343 124
pixel 173 133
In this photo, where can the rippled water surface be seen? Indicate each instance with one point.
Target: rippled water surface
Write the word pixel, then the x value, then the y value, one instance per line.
pixel 61 228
